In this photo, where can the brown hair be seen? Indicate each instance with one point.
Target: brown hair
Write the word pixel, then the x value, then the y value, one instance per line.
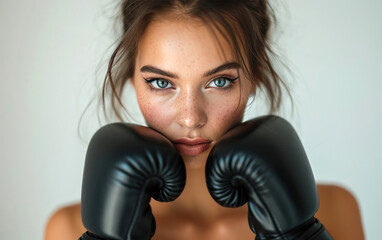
pixel 244 23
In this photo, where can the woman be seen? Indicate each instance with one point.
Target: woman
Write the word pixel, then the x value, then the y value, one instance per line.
pixel 194 65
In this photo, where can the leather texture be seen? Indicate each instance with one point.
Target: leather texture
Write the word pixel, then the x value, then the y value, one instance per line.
pixel 89 236
pixel 263 162
pixel 125 166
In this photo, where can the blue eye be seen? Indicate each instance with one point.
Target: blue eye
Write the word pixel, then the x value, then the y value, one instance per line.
pixel 159 83
pixel 222 82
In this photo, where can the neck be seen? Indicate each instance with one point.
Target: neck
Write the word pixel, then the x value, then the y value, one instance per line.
pixel 195 197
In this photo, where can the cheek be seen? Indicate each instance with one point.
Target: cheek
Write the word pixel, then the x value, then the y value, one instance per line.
pixel 156 114
pixel 229 107
pixel 226 112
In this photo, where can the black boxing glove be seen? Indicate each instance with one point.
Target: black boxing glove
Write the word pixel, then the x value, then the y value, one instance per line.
pixel 262 161
pixel 125 166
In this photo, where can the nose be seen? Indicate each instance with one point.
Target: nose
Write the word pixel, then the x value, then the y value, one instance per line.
pixel 191 110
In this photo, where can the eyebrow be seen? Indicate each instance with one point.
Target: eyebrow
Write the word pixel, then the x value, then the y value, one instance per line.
pixel 225 66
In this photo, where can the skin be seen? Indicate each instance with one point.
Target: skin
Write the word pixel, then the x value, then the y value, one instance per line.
pixel 191 105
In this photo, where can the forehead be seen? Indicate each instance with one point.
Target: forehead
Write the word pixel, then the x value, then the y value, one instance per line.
pixel 187 41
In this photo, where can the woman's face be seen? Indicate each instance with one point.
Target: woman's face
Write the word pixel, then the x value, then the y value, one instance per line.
pixel 189 86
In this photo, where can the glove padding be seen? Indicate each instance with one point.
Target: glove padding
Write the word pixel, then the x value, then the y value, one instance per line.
pixel 263 162
pixel 125 166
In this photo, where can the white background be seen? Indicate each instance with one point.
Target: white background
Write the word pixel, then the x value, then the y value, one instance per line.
pixel 49 55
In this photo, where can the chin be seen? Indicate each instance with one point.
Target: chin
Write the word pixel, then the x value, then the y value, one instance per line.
pixel 196 162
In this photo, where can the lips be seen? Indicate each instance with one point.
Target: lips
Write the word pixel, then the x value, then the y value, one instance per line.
pixel 191 146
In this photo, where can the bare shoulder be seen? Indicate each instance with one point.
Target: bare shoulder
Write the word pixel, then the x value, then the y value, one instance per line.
pixel 339 212
pixel 65 223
